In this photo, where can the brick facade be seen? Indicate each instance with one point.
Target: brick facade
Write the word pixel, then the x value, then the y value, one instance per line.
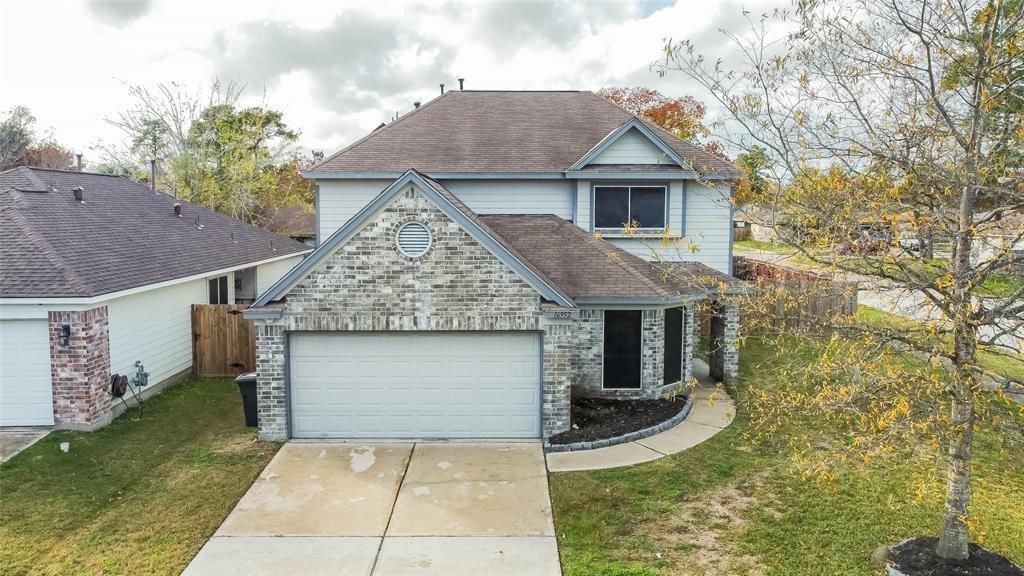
pixel 724 362
pixel 80 371
pixel 369 285
pixel 589 356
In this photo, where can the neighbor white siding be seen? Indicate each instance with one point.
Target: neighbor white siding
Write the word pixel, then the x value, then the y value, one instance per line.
pixel 155 327
pixel 632 148
pixel 515 196
pixel 267 274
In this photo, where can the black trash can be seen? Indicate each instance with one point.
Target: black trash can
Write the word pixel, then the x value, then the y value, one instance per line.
pixel 247 386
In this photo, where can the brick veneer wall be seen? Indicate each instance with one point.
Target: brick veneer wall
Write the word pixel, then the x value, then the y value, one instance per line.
pixel 80 371
pixel 588 359
pixel 560 340
pixel 724 362
pixel 369 285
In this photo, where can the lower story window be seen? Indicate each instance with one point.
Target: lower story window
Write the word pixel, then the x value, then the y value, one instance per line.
pixel 622 348
pixel 673 346
pixel 218 290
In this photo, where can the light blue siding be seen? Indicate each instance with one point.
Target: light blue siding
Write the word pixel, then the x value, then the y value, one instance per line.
pixel 632 148
pixel 515 196
pixel 339 200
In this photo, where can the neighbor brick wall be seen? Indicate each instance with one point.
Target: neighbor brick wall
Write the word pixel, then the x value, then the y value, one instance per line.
pixel 80 371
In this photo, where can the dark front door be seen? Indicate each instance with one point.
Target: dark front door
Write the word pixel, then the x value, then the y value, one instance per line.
pixel 622 348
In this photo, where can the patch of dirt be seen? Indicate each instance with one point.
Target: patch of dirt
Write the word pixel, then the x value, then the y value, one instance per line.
pixel 917 558
pixel 698 532
pixel 600 418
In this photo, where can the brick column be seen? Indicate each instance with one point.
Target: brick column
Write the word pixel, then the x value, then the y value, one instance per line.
pixel 80 370
pixel 689 339
pixel 725 356
pixel 559 344
pixel 652 353
pixel 271 398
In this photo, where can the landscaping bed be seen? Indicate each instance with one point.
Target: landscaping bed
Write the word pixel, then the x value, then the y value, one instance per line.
pixel 917 557
pixel 596 419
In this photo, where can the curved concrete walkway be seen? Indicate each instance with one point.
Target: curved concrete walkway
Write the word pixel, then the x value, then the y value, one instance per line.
pixel 712 411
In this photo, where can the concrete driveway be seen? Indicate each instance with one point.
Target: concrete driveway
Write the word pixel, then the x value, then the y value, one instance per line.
pixel 391 509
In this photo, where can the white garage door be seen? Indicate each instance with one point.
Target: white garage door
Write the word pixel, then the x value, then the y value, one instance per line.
pixel 26 398
pixel 415 385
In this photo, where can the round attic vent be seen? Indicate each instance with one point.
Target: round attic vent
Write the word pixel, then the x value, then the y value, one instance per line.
pixel 413 239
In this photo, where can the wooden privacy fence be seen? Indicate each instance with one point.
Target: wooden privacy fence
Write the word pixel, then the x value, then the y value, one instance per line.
pixel 223 342
pixel 790 298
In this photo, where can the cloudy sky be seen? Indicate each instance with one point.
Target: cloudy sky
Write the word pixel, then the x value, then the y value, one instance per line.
pixel 336 69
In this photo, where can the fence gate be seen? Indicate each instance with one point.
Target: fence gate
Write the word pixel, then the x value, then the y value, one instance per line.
pixel 223 342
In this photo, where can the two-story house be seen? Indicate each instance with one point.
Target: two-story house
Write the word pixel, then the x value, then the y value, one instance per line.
pixel 489 255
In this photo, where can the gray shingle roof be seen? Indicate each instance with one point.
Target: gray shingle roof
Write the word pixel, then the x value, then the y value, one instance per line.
pixel 496 131
pixel 583 266
pixel 122 236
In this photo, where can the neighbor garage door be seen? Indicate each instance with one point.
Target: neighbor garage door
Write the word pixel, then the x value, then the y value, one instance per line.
pixel 415 385
pixel 26 397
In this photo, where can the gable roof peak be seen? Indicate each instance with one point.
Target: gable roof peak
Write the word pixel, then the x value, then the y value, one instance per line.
pixel 452 207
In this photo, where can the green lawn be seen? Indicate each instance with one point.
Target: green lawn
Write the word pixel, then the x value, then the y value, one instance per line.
pixel 774 247
pixel 137 497
pixel 999 286
pixel 1000 362
pixel 735 506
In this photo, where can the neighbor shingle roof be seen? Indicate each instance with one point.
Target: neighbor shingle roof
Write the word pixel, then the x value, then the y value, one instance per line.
pixel 122 236
pixel 584 266
pixel 501 131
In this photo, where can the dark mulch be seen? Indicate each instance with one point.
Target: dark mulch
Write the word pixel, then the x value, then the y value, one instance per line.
pixel 600 418
pixel 917 558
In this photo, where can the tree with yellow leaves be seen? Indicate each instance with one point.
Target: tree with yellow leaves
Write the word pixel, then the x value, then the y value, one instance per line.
pixel 882 119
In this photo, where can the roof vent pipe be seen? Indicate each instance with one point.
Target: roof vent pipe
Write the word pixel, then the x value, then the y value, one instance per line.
pixel 442 88
pixel 78 162
pixel 152 174
pixel 461 80
pixel 77 191
pixel 416 104
pixel 177 209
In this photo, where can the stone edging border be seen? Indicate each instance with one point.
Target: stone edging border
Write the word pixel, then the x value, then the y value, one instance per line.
pixel 632 436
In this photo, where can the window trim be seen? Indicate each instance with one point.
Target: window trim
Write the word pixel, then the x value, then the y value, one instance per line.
pixel 604 331
pixel 617 232
pixel 665 348
pixel 222 288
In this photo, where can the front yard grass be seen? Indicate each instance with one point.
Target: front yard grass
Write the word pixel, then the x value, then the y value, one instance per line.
pixel 774 247
pixel 140 496
pixel 735 506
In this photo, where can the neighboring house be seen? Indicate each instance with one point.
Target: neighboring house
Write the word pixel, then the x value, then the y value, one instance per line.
pixel 295 221
pixel 473 273
pixel 98 272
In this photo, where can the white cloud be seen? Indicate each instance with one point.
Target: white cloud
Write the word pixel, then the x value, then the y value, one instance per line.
pixel 336 71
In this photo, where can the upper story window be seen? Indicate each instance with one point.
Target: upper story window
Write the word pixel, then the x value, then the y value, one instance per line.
pixel 618 206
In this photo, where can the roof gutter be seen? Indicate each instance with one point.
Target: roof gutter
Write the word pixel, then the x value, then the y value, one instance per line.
pixel 89 300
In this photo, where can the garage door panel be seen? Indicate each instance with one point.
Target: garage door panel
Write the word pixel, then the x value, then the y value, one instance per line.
pixel 26 392
pixel 409 385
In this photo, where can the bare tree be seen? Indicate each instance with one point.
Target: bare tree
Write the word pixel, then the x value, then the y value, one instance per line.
pixel 884 119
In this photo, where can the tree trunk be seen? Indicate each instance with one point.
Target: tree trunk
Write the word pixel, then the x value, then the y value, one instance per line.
pixel 954 537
